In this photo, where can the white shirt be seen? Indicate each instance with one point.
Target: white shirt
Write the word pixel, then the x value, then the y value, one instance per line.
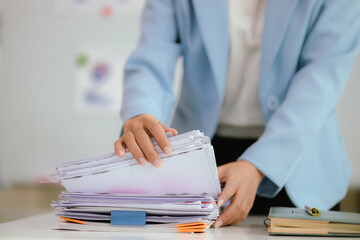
pixel 241 107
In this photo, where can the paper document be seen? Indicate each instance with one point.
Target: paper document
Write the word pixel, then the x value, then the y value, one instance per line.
pixel 182 191
pixel 162 211
pixel 190 169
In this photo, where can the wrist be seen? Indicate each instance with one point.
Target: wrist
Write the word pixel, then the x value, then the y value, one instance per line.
pixel 256 172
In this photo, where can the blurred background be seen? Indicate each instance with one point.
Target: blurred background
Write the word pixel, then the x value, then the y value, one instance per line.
pixel 60 93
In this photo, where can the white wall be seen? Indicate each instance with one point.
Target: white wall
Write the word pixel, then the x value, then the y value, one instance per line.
pixel 39 126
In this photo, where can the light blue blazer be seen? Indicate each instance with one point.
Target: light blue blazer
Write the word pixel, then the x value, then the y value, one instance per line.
pixel 308 50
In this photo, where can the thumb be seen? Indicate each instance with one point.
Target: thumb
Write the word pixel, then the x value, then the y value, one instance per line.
pixel 221 172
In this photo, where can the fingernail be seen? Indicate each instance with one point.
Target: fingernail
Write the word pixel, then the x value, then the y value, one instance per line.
pixel 142 161
pixel 218 223
pixel 220 202
pixel 167 150
pixel 157 163
pixel 121 153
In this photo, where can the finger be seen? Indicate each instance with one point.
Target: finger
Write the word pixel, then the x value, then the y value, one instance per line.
pixel 174 131
pixel 227 216
pixel 167 129
pixel 131 144
pixel 147 147
pixel 158 132
pixel 222 173
pixel 236 212
pixel 228 192
pixel 119 148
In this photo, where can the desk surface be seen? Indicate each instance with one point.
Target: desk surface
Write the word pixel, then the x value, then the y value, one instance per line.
pixel 40 227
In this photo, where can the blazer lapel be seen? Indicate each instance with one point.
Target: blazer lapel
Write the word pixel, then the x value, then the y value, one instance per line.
pixel 212 18
pixel 277 16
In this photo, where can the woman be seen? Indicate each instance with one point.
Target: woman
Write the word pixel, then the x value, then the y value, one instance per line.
pixel 262 79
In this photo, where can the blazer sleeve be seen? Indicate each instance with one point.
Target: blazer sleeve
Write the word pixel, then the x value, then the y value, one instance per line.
pixel 329 52
pixel 149 71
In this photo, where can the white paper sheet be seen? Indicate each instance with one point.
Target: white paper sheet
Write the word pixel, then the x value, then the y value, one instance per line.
pixel 190 169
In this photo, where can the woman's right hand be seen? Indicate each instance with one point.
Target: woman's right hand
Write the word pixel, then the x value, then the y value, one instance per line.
pixel 136 138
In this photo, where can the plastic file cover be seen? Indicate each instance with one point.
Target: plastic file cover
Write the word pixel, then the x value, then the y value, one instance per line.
pixel 190 169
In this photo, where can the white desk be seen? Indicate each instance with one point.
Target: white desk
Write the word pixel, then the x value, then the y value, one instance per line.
pixel 40 227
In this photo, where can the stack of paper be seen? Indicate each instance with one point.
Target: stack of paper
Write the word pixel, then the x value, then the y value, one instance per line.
pixel 163 212
pixel 182 191
pixel 191 168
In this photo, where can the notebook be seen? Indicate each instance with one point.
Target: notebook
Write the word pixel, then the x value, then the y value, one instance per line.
pixel 296 221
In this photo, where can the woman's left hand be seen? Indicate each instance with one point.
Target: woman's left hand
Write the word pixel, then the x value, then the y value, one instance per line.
pixel 242 180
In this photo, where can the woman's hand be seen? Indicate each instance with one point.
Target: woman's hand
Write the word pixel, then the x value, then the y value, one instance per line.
pixel 242 180
pixel 136 137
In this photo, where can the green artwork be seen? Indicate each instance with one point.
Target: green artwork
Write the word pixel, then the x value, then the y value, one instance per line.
pixel 82 60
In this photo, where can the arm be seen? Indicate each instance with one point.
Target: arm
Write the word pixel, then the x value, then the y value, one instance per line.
pixel 329 52
pixel 150 69
pixel 148 97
